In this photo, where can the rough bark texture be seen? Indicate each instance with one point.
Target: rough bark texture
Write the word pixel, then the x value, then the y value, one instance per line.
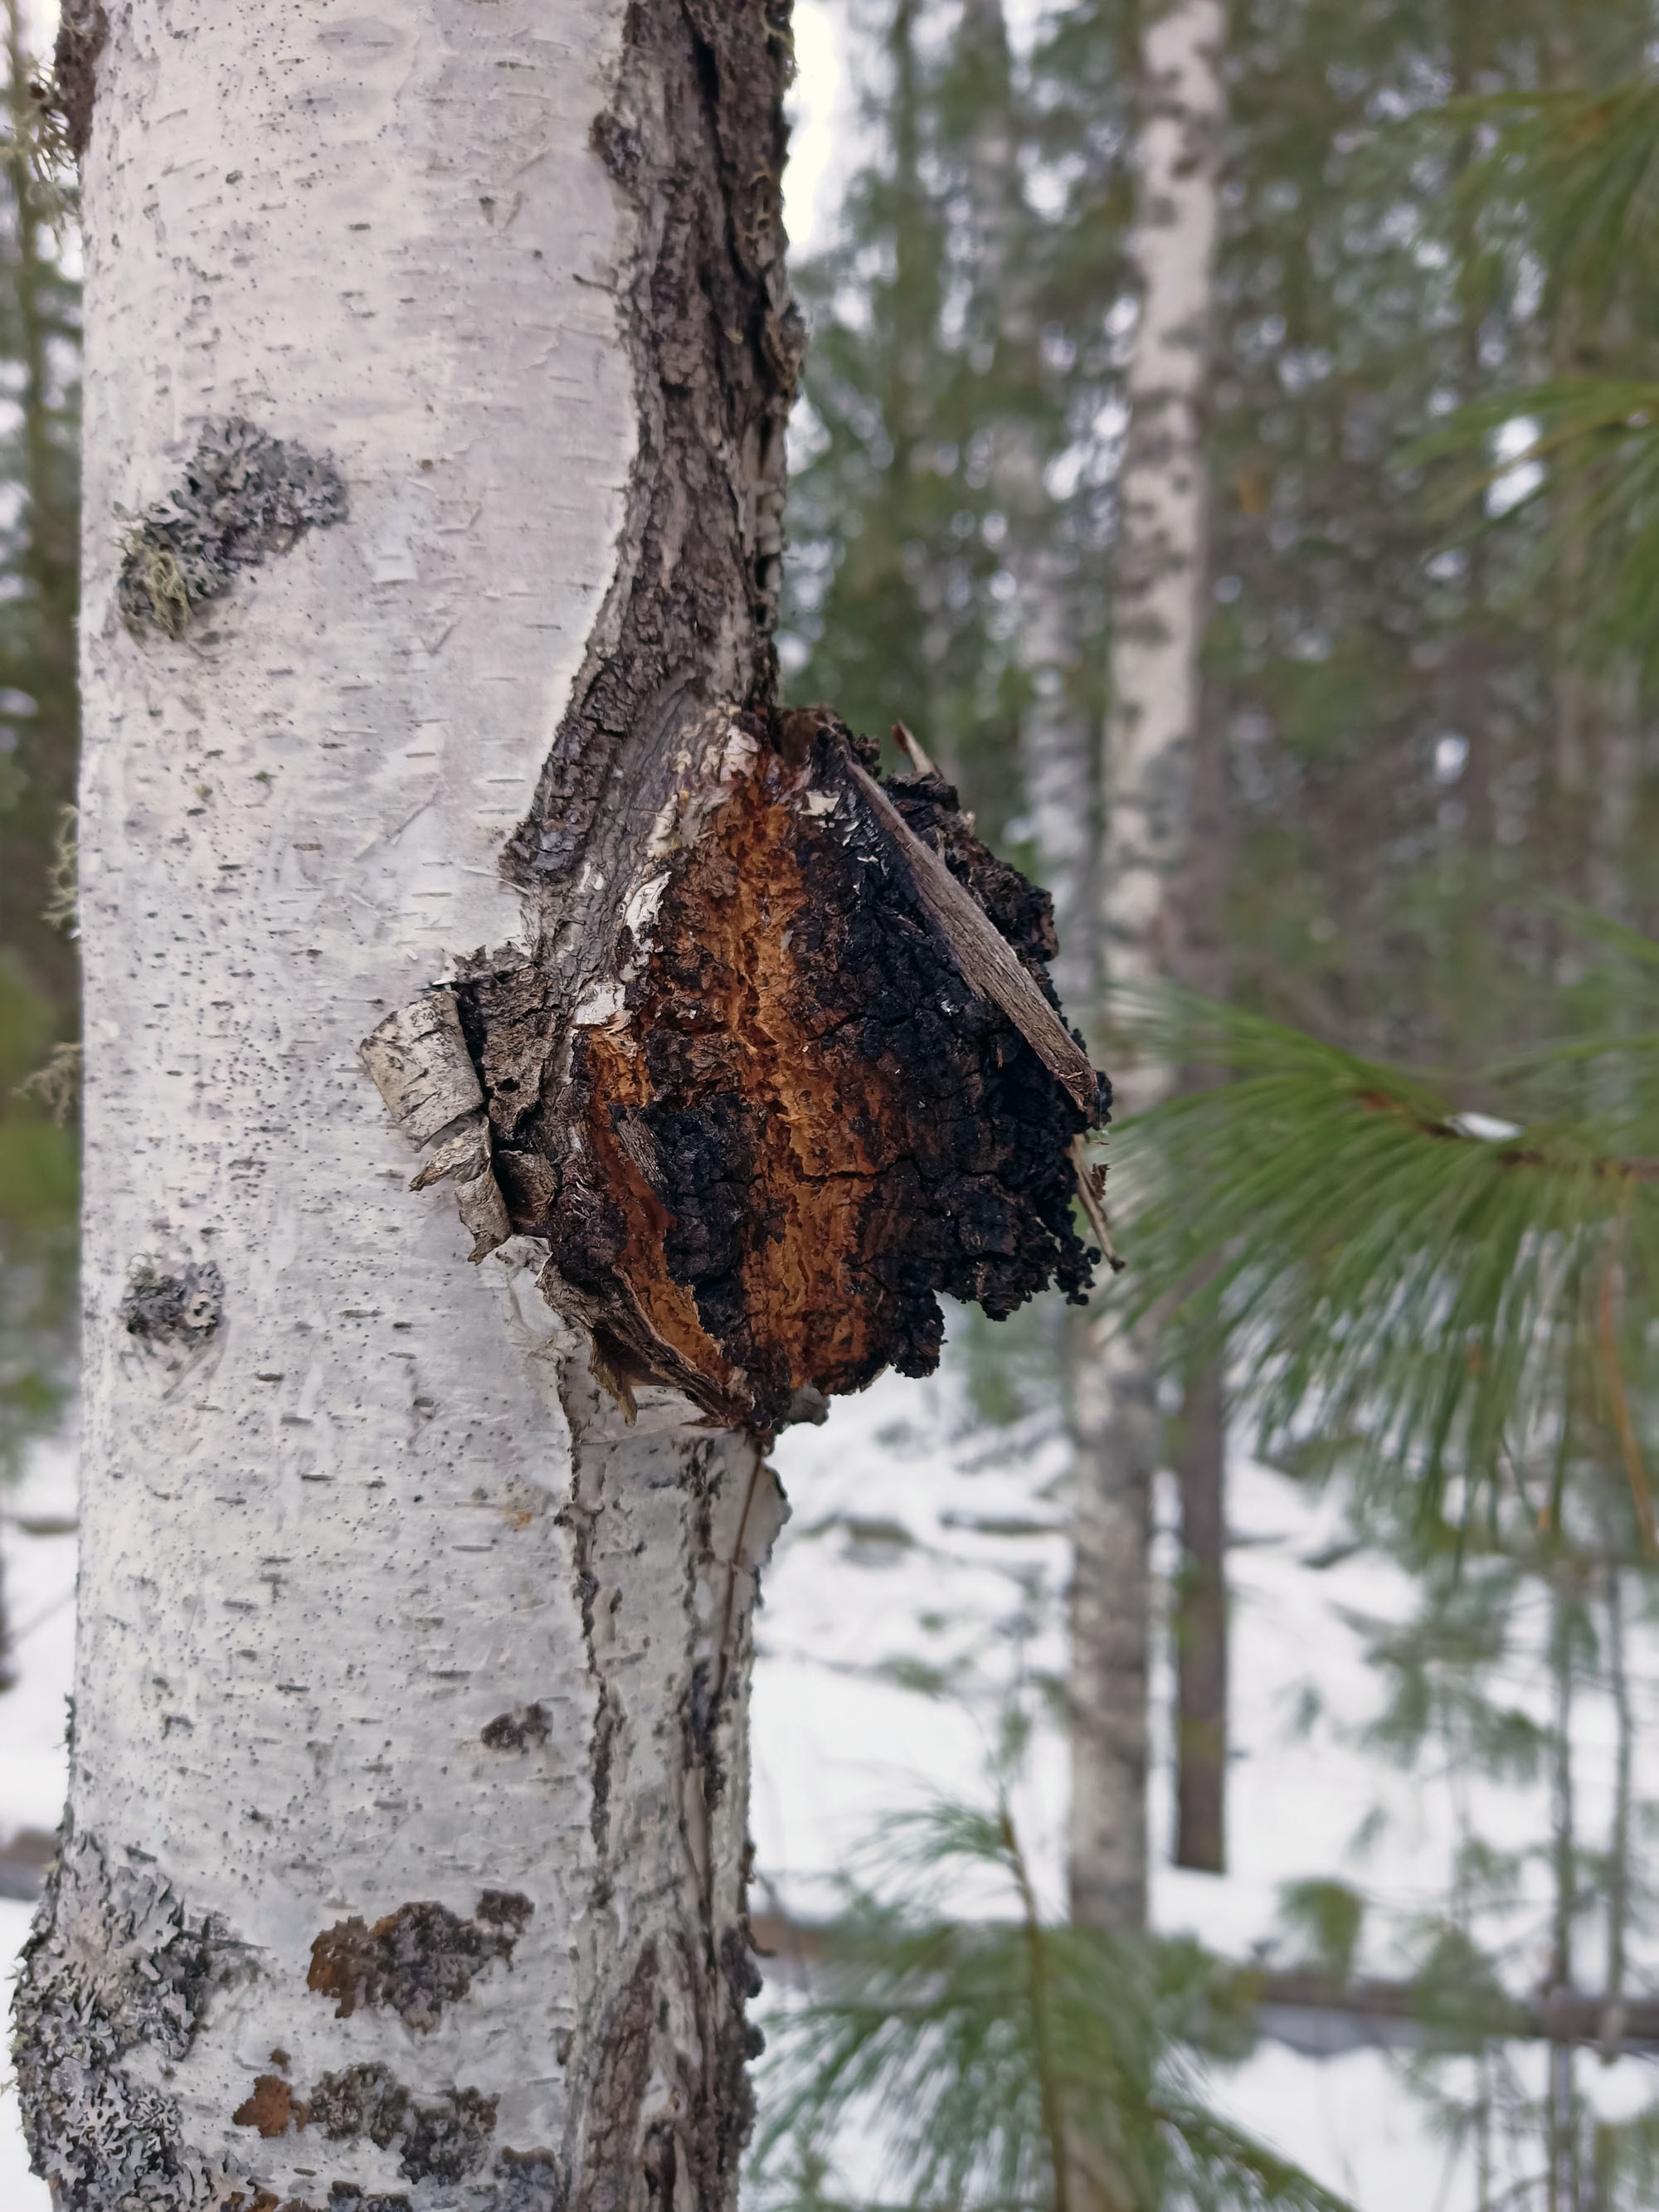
pixel 1157 611
pixel 82 34
pixel 1200 1630
pixel 740 1088
pixel 407 1851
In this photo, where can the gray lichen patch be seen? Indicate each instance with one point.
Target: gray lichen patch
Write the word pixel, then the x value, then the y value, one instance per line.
pixel 243 496
pixel 114 1961
pixel 418 1959
pixel 164 1308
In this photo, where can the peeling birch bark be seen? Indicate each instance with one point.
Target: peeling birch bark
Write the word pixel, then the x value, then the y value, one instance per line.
pixel 406 1851
pixel 1150 736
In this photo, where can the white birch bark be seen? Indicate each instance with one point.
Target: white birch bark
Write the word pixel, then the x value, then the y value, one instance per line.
pixel 1150 738
pixel 379 1506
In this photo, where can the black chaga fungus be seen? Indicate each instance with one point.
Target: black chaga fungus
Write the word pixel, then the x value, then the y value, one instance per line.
pixel 803 1124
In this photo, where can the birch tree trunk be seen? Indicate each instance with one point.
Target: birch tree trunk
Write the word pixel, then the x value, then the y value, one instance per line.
pixel 1055 741
pixel 438 363
pixel 1149 740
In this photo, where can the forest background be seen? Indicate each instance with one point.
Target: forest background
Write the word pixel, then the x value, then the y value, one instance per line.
pixel 1421 820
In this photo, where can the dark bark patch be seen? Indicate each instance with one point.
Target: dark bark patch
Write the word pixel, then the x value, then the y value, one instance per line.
pixel 738 2041
pixel 617 2085
pixel 518 1731
pixel 243 495
pixel 441 2139
pixel 601 1751
pixel 661 2164
pixel 418 1959
pixel 82 37
pixel 804 1125
pixel 164 1308
pixel 703 1719
pixel 694 140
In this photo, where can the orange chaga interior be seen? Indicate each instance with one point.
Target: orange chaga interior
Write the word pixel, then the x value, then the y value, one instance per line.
pixel 749 1034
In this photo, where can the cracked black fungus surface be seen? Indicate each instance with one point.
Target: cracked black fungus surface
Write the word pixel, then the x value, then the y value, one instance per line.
pixel 808 1127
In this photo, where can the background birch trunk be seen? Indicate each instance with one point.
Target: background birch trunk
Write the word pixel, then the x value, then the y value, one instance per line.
pixel 406 1847
pixel 1148 772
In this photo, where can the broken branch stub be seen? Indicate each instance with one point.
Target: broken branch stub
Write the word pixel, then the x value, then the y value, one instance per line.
pixel 420 1066
pixel 818 1078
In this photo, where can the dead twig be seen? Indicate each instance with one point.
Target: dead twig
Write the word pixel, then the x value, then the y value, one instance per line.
pixel 911 744
pixel 1091 1191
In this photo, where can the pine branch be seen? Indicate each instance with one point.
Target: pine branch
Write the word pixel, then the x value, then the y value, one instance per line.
pixel 1374 1262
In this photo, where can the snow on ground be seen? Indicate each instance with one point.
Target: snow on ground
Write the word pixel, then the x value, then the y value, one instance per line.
pixel 917 1540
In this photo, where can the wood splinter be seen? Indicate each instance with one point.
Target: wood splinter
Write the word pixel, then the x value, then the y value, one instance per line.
pixel 907 740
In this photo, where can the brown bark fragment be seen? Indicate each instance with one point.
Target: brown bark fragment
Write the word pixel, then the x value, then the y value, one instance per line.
pixel 442 2138
pixel 270 2109
pixel 418 1959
